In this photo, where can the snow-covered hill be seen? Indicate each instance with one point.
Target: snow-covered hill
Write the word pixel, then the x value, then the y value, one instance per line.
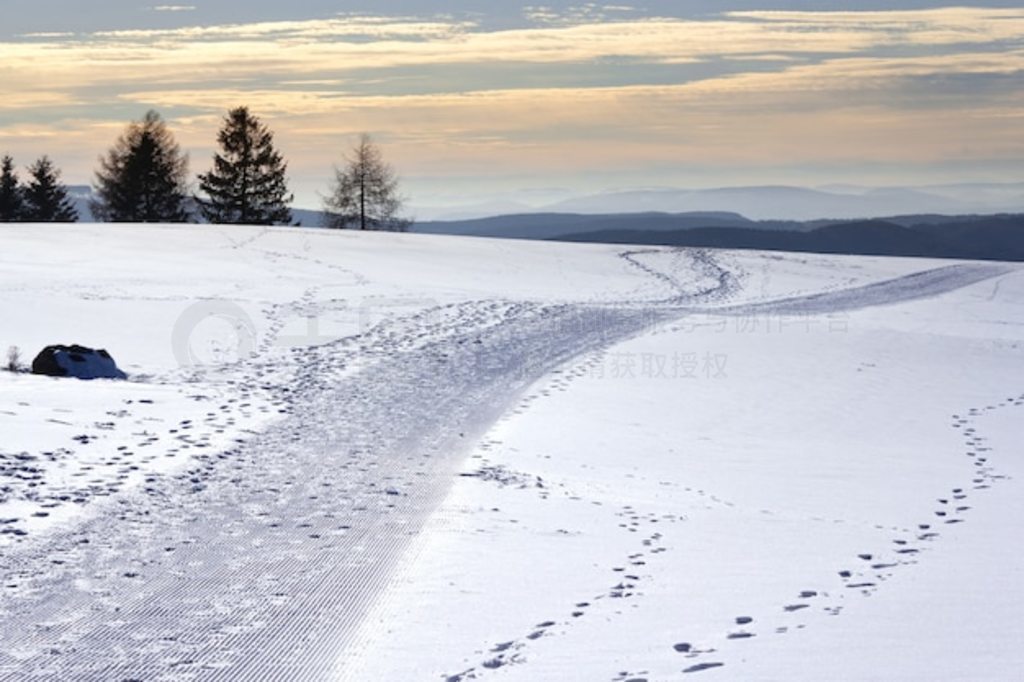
pixel 410 457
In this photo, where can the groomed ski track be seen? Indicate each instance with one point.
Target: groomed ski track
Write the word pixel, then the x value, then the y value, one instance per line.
pixel 261 562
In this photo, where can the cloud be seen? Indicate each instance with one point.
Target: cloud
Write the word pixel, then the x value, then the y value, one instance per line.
pixel 835 111
pixel 340 28
pixel 174 8
pixel 943 26
pixel 48 35
pixel 799 85
pixel 348 43
pixel 330 48
pixel 12 101
pixel 576 14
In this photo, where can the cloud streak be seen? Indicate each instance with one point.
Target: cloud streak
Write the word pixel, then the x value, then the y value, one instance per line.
pixel 742 87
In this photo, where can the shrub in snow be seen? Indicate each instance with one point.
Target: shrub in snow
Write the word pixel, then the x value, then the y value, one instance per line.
pixel 76 361
pixel 13 359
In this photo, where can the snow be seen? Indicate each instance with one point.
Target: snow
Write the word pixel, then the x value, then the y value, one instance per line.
pixel 367 456
pixel 812 448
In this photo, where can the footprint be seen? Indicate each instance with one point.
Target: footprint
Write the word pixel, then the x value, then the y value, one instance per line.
pixel 700 667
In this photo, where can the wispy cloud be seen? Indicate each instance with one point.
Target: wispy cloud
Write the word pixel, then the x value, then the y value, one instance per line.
pixel 49 35
pixel 340 28
pixel 349 43
pixel 742 87
pixel 586 13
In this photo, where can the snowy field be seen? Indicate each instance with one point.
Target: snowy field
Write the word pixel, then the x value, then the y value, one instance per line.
pixel 403 457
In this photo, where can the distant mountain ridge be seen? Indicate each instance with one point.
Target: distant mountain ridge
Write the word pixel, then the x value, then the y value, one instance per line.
pixel 766 202
pixel 972 238
pixel 929 234
pixel 985 237
pixel 779 204
pixel 800 203
pixel 550 225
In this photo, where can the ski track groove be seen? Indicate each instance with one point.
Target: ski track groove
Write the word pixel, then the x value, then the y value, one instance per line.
pixel 925 284
pixel 197 583
pixel 265 567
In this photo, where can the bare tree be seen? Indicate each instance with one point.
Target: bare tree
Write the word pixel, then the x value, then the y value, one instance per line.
pixel 365 194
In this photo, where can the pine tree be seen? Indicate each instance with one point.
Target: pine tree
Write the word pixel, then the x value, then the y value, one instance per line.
pixel 11 204
pixel 144 177
pixel 247 184
pixel 365 193
pixel 46 199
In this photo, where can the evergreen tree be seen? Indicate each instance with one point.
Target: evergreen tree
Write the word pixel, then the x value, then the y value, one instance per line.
pixel 144 177
pixel 365 193
pixel 46 199
pixel 247 184
pixel 11 204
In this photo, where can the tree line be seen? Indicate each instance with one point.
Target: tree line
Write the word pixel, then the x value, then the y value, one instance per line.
pixel 144 178
pixel 43 200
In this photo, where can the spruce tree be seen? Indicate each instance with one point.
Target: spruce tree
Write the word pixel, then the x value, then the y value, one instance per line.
pixel 11 204
pixel 365 193
pixel 144 177
pixel 247 184
pixel 46 199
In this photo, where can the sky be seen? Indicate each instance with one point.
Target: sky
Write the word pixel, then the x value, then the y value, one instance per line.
pixel 477 101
